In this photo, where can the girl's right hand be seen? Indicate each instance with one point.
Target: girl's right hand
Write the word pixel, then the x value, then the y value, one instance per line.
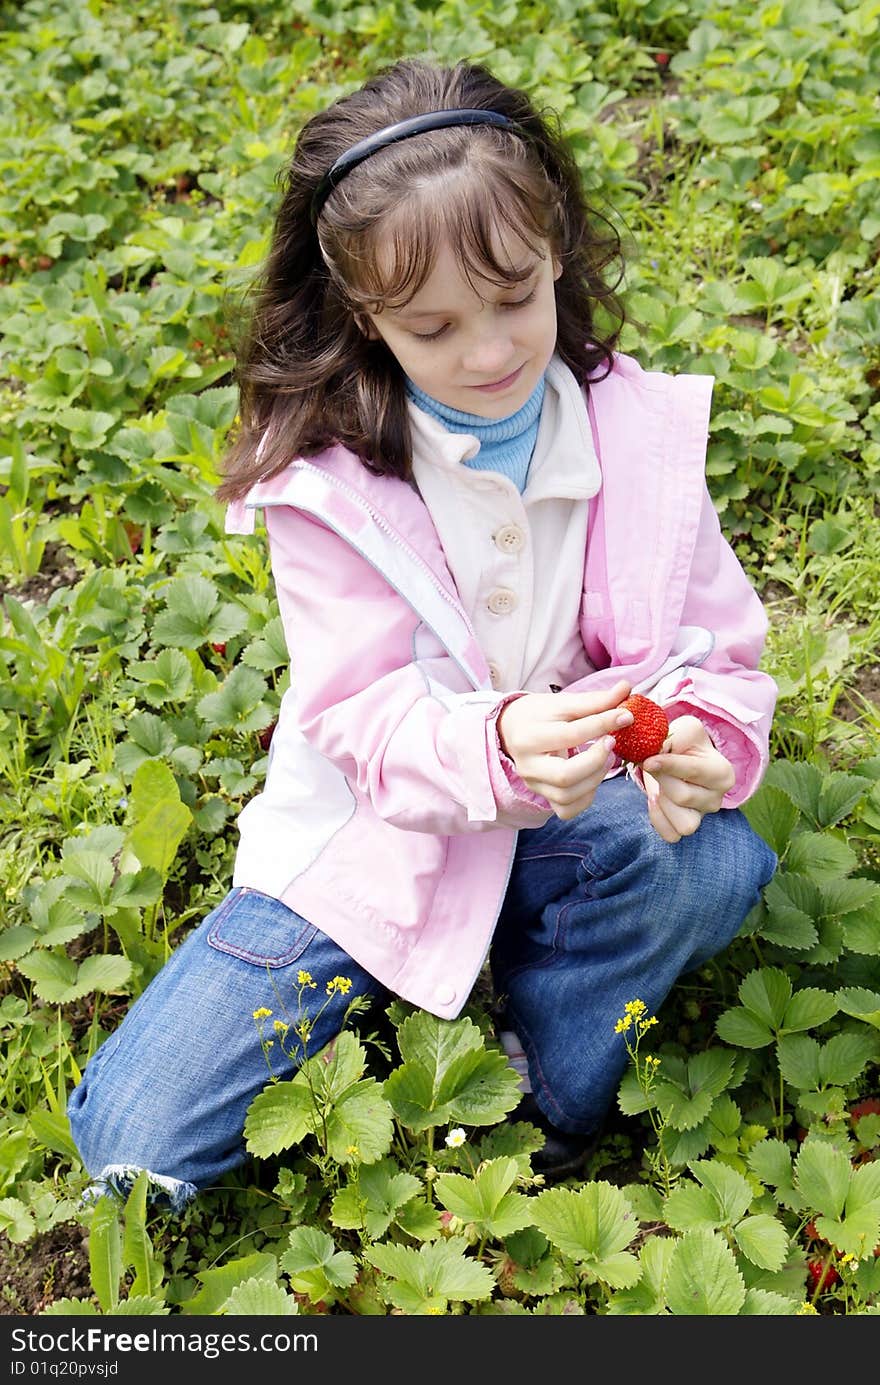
pixel 538 730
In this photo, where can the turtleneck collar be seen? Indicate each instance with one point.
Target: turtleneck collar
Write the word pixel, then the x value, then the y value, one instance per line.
pixel 506 444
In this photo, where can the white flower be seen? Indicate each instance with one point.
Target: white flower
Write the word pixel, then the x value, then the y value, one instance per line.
pixel 456 1138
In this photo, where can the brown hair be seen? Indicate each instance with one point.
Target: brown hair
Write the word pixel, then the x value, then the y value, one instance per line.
pixel 307 375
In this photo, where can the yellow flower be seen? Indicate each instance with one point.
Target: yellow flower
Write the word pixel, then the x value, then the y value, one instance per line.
pixel 280 1027
pixel 636 1008
pixel 623 1025
pixel 304 978
pixel 806 1308
pixel 456 1138
pixel 342 984
pixel 262 1013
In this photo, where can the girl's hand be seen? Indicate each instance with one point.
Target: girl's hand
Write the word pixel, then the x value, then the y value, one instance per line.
pixel 688 779
pixel 538 730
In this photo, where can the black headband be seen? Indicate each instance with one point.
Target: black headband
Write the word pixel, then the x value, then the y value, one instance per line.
pixel 433 120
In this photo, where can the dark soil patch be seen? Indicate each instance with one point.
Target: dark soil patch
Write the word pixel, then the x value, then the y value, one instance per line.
pixel 56 570
pixel 50 1266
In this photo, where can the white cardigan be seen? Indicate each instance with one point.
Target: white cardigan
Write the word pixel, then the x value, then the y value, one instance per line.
pixel 517 560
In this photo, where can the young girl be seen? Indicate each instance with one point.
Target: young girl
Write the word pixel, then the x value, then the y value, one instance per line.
pixel 487 527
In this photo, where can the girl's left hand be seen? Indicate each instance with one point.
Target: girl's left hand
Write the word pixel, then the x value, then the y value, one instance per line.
pixel 688 779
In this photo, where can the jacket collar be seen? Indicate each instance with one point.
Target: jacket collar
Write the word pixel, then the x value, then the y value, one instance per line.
pixel 564 466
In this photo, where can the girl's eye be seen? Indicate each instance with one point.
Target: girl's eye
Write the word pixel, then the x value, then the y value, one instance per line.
pixel 518 303
pixel 521 302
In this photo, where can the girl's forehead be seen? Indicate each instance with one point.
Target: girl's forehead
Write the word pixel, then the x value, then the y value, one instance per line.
pixel 452 274
pixel 451 265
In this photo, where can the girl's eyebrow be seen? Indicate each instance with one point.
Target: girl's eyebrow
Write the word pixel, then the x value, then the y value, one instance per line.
pixel 405 315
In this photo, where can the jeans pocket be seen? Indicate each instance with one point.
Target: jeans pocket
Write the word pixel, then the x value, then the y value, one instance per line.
pixel 259 929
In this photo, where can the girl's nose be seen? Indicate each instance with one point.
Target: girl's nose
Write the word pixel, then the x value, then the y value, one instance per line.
pixel 488 352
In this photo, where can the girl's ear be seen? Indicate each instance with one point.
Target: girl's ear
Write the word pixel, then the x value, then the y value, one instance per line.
pixel 557 267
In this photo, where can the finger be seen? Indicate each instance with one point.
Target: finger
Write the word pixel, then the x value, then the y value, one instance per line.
pixel 571 775
pixel 660 822
pixel 585 731
pixel 684 821
pixel 576 706
pixel 684 794
pixel 709 771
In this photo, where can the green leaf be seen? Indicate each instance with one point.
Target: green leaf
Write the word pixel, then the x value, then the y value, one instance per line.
pixel 425 1280
pixel 591 1226
pixel 279 1118
pixel 732 1192
pixel 310 1249
pixel 765 1303
pixel 52 1130
pixel 373 1198
pixel 137 1248
pixel 822 1174
pixel 808 1009
pixel 195 617
pixel 799 1061
pixel 773 816
pixel 680 1109
pixel 105 1253
pixel 485 1199
pixel 702 1278
pixel 766 993
pixel 763 1240
pixel 103 972
pixel 844 1058
pixel 447 1075
pixel 256 1298
pixel 801 781
pixel 239 704
pixel 840 793
pixel 217 1284
pixel 160 819
pixel 647 1296
pixel 15 942
pixel 167 678
pixel 688 1206
pixel 740 1027
pixel 16 1220
pixel 820 856
pixel 794 905
pixel 861 1004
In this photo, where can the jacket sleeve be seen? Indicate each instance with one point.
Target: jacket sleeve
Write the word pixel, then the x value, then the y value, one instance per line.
pixel 729 693
pixel 379 700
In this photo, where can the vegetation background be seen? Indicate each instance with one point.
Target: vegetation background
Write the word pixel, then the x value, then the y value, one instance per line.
pixel 737 149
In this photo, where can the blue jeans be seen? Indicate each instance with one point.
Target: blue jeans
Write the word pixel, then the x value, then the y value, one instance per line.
pixel 599 911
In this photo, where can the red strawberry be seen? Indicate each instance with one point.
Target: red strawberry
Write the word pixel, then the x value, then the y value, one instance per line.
pixel 219 647
pixel 868 1106
pixel 647 733
pixel 265 736
pixel 822 1276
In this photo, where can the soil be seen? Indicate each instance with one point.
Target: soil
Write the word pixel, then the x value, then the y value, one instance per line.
pixel 51 1266
pixel 56 570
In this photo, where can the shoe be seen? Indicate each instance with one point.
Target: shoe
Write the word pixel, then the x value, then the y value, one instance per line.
pixel 563 1154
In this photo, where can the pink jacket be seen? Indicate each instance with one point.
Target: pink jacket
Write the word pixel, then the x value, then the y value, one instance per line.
pixel 388 819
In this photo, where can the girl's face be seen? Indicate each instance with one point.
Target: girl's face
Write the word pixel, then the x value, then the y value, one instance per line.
pixel 480 353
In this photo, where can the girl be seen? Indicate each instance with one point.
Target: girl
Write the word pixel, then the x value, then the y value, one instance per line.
pixel 486 528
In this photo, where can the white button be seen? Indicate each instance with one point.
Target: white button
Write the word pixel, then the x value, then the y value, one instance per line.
pixel 509 538
pixel 445 994
pixel 494 674
pixel 501 601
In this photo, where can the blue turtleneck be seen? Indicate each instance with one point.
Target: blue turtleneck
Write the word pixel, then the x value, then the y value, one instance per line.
pixel 506 444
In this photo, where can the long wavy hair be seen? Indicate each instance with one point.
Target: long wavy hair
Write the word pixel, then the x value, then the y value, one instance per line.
pixel 308 376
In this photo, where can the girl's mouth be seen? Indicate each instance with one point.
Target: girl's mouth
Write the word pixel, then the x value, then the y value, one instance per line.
pixel 500 384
